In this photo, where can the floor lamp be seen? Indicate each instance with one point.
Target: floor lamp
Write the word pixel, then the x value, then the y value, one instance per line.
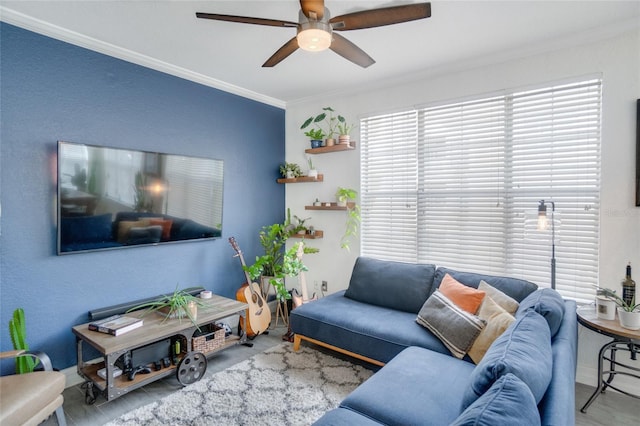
pixel 543 224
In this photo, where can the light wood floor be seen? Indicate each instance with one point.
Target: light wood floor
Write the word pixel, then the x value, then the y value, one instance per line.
pixel 610 409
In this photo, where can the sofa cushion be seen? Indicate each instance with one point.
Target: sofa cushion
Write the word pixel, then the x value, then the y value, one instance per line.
pixel 508 402
pixel 507 303
pixel 548 303
pixel 513 287
pixel 417 387
pixel 467 298
pixel 344 417
pixel 497 319
pixel 166 226
pixel 86 229
pixel 457 328
pixel 524 349
pixel 368 330
pixel 395 285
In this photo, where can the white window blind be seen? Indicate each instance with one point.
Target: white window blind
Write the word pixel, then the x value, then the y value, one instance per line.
pixel 454 184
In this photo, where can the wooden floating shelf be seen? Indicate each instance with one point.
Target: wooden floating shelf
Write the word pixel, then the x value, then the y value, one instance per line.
pixel 317 235
pixel 333 206
pixel 300 179
pixel 333 148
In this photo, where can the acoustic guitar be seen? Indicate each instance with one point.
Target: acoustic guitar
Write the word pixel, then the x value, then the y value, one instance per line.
pixel 258 315
pixel 298 300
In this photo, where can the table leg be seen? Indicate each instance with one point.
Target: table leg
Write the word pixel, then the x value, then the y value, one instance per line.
pixel 601 383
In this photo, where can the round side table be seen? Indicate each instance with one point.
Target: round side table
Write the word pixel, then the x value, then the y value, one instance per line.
pixel 623 340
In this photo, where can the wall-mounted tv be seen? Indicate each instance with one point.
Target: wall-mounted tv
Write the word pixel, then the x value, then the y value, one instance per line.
pixel 112 198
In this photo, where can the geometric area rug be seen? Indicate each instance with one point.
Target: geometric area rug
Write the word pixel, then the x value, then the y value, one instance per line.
pixel 275 387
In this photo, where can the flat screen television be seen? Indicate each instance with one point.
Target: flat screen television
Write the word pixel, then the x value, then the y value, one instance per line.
pixel 111 198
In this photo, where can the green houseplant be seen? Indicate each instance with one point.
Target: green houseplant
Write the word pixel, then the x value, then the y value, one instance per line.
pixel 344 130
pixel 179 304
pixel 18 332
pixel 290 170
pixel 628 312
pixel 326 122
pixel 346 197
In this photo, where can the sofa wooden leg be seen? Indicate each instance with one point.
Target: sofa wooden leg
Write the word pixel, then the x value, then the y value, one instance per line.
pixel 296 342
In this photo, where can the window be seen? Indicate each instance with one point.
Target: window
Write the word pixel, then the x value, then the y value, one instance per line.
pixel 457 184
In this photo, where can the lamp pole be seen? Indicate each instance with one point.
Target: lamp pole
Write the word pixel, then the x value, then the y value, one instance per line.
pixel 542 218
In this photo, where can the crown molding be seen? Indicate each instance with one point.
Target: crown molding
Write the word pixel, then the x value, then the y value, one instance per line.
pixel 47 29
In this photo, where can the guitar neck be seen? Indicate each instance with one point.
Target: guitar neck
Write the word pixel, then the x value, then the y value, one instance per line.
pixel 234 244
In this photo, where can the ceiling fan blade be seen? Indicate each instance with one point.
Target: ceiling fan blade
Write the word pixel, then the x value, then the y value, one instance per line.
pixel 246 20
pixel 310 7
pixel 350 51
pixel 381 17
pixel 287 49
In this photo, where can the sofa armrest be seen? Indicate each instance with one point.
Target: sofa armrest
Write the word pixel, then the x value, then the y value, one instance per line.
pixel 558 405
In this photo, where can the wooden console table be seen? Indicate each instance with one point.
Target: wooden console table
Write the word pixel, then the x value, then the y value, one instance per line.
pixel 623 340
pixel 154 329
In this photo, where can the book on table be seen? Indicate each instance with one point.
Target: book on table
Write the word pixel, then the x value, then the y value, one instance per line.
pixel 116 324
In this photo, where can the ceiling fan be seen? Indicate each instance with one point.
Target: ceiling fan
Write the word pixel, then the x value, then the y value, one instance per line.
pixel 315 28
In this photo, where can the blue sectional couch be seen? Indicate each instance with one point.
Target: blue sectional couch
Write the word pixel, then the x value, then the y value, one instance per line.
pixel 526 376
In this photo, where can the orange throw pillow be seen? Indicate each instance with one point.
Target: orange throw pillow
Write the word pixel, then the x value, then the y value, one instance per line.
pixel 467 298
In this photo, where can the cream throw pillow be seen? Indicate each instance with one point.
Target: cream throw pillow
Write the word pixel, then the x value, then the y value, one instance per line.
pixel 125 226
pixel 498 320
pixel 507 303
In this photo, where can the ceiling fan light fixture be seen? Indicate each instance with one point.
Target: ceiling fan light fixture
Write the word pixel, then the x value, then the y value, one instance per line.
pixel 314 36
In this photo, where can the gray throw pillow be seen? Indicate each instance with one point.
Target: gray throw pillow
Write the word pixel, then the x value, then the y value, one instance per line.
pixel 455 327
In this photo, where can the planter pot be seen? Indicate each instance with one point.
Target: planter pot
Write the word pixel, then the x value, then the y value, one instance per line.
pixel 289 174
pixel 630 320
pixel 605 308
pixel 341 203
pixel 316 143
pixel 330 142
pixel 344 139
pixel 180 313
pixel 313 173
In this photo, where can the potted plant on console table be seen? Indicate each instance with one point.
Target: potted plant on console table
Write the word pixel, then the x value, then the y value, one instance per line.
pixel 180 304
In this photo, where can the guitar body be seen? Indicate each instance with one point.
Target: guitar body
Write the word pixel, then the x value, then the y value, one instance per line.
pixel 258 314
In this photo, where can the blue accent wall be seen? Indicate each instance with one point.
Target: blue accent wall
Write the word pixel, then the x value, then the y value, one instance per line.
pixel 50 91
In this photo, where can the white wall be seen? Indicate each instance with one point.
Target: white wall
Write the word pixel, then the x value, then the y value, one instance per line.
pixel 616 59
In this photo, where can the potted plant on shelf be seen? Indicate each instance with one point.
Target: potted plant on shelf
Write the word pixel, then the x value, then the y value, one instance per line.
pixel 628 312
pixel 346 197
pixel 327 119
pixel 290 170
pixel 313 172
pixel 344 129
pixel 180 304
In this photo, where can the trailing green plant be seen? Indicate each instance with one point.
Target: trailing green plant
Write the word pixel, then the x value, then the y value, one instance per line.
pixel 18 332
pixel 326 119
pixel 611 294
pixel 176 303
pixel 353 216
pixel 290 167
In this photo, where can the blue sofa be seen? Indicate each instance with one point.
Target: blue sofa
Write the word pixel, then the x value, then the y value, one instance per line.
pixel 102 231
pixel 526 376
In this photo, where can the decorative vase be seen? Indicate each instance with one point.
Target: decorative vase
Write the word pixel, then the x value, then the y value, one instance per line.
pixel 313 173
pixel 630 320
pixel 344 139
pixel 315 143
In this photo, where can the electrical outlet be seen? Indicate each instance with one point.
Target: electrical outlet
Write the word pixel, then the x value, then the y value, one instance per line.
pixel 324 286
pixel 315 285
